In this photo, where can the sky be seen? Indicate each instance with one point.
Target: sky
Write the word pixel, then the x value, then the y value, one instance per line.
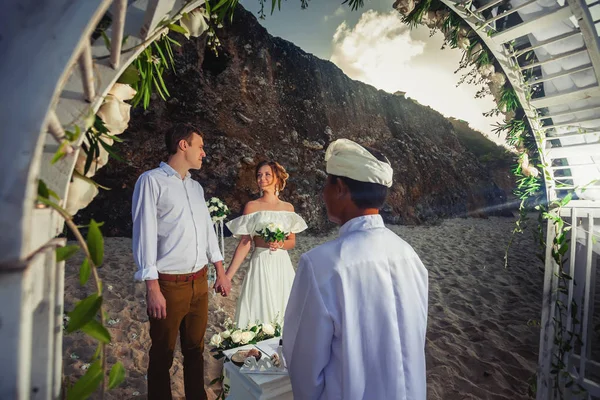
pixel 372 45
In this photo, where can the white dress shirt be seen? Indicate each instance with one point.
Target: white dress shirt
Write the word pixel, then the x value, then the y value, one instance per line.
pixel 172 229
pixel 356 318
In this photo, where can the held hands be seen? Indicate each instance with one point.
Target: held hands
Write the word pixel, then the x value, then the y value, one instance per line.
pixel 223 285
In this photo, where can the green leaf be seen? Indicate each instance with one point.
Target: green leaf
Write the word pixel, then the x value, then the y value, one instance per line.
pixel 106 40
pixel 130 76
pixel 61 152
pixel 91 182
pixel 177 28
pixel 99 125
pixel 63 253
pixel 162 83
pixel 73 136
pixel 164 59
pixel 89 150
pixel 84 312
pixel 96 330
pixel 95 243
pixel 97 352
pixel 156 85
pixel 116 376
pixel 87 384
pixel 217 379
pixel 566 199
pixel 219 5
pixel 109 149
pixel 84 272
pixel 43 189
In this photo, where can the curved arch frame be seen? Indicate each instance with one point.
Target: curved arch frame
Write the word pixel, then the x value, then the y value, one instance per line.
pixel 41 43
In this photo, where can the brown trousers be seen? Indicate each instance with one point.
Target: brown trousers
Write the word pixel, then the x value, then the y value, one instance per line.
pixel 187 314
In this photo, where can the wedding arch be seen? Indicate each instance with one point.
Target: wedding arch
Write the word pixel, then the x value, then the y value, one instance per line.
pixel 55 79
pixel 548 87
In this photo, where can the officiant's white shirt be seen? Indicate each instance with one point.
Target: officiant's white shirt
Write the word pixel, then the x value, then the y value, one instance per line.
pixel 356 319
pixel 172 229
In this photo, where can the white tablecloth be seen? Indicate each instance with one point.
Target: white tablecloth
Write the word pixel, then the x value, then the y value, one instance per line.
pixel 256 386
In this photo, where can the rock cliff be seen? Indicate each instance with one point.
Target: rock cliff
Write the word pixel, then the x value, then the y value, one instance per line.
pixel 265 98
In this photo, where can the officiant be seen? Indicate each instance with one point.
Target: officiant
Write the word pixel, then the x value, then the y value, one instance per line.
pixel 356 318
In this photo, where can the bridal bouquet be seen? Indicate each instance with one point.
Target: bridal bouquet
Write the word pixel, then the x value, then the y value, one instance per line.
pixel 273 233
pixel 218 210
pixel 233 336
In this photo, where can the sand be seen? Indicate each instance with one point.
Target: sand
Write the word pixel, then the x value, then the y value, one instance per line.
pixel 482 337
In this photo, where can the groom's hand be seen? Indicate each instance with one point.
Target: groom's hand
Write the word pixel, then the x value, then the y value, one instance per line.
pixel 223 285
pixel 157 305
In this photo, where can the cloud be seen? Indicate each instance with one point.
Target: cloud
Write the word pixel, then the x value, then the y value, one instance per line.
pixel 339 11
pixel 336 14
pixel 382 51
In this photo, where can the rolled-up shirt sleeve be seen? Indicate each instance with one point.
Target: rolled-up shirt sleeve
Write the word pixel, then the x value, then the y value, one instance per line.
pixel 213 252
pixel 145 227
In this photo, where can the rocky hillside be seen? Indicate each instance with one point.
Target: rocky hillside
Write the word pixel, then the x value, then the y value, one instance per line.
pixel 495 158
pixel 265 98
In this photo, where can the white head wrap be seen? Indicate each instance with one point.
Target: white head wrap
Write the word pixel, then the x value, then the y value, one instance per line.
pixel 347 158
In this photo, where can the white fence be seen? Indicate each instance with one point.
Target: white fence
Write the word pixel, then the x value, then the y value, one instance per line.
pixel 578 317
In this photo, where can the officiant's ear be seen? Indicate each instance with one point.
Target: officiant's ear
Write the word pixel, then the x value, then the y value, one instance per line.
pixel 343 189
pixel 340 189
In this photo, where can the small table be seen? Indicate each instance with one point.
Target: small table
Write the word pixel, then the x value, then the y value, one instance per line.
pixel 256 386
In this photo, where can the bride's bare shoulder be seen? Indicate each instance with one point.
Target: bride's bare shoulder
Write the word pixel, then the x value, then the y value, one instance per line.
pixel 287 206
pixel 251 206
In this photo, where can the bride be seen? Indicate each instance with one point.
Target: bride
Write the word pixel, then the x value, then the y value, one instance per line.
pixel 269 279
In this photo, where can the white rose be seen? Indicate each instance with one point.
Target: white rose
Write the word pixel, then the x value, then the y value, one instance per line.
pixel 498 79
pixel 214 199
pixel 487 70
pixel 228 322
pixel 247 336
pixel 225 334
pixel 268 329
pixel 212 208
pixel 236 336
pixel 194 23
pixel 464 43
pixel 115 114
pixel 271 227
pixel 216 340
pixel 225 208
pixel 280 227
pixel 214 219
pixel 250 326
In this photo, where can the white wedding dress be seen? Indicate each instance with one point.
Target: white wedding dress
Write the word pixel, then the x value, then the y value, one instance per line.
pixel 269 279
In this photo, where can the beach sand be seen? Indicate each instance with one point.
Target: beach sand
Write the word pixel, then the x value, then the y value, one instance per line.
pixel 482 336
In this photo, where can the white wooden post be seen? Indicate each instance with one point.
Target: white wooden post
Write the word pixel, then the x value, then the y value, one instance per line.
pixel 546 350
pixel 43 92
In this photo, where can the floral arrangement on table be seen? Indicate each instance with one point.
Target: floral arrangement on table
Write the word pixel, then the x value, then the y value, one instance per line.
pixel 233 336
pixel 218 210
pixel 273 233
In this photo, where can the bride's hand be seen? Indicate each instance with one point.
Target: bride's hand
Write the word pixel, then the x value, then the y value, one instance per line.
pixel 275 245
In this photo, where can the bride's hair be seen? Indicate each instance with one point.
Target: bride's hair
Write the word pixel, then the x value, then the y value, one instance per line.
pixel 278 171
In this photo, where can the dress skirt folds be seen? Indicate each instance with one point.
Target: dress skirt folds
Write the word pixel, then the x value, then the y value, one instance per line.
pixel 270 275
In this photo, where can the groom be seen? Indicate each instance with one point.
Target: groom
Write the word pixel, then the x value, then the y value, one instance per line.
pixel 356 318
pixel 173 241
